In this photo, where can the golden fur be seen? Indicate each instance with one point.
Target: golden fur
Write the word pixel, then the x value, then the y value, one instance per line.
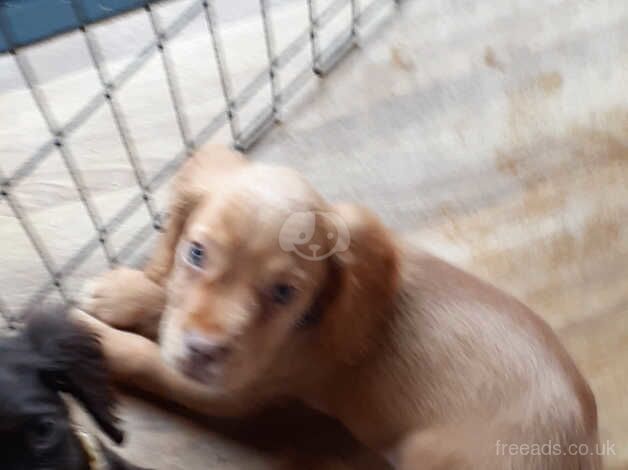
pixel 420 361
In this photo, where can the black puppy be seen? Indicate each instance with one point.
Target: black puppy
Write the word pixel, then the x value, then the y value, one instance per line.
pixel 53 355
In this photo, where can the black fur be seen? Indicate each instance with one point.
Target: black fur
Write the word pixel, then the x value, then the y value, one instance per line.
pixel 52 355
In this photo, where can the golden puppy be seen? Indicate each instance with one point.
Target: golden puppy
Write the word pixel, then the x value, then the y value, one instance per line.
pixel 261 290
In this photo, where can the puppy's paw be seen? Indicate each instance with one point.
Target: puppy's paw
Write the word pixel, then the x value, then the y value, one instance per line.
pixel 123 298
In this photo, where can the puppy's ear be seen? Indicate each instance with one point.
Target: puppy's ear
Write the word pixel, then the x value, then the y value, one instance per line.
pixel 363 281
pixel 191 186
pixel 74 364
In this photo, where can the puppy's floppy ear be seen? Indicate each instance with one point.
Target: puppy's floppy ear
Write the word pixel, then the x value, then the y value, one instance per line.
pixel 363 281
pixel 74 364
pixel 191 186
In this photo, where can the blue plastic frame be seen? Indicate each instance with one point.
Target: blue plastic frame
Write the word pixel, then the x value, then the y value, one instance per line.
pixel 30 21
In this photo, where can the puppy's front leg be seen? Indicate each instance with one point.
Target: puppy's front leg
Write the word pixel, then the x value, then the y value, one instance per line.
pixel 134 300
pixel 136 361
pixel 127 299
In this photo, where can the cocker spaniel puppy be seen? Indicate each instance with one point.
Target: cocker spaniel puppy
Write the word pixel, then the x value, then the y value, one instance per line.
pixel 53 356
pixel 261 290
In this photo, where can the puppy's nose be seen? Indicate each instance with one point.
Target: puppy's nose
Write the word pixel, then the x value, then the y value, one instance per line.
pixel 314 247
pixel 209 349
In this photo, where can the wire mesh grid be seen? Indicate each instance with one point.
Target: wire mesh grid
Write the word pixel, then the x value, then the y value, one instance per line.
pixel 322 59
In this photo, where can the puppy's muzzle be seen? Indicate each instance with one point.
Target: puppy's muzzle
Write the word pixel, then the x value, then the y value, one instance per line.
pixel 206 349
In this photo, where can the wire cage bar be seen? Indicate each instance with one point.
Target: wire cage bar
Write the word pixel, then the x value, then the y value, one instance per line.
pixel 243 136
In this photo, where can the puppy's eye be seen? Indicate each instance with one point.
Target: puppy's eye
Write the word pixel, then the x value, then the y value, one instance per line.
pixel 43 433
pixel 195 255
pixel 282 294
